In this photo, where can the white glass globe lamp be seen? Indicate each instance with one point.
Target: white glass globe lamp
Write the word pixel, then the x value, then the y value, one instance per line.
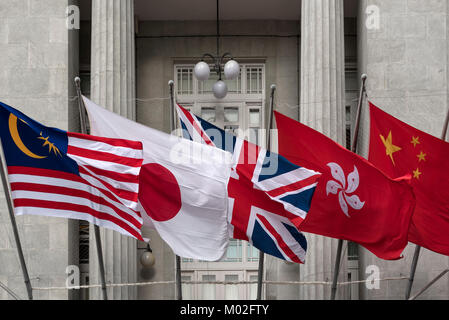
pixel 231 69
pixel 220 89
pixel 201 71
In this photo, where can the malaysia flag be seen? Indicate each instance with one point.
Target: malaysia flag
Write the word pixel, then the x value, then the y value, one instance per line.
pixel 71 175
pixel 269 196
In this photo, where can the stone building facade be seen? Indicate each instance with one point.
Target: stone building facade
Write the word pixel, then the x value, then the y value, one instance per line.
pixel 126 51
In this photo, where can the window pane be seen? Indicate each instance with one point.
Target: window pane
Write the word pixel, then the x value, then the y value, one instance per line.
pixel 234 252
pixel 184 81
pixel 253 288
pixel 208 289
pixel 254 80
pixel 254 117
pixel 208 114
pixel 252 252
pixel 231 129
pixel 353 251
pixel 348 114
pixel 254 135
pixel 186 288
pixel 231 114
pixel 231 290
pixel 235 86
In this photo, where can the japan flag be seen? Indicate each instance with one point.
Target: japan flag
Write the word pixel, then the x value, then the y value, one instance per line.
pixel 182 186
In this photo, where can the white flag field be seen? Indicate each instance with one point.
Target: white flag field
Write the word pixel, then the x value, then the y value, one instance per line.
pixel 182 185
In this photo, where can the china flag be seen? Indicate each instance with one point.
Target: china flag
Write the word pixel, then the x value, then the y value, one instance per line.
pixel 398 149
pixel 354 200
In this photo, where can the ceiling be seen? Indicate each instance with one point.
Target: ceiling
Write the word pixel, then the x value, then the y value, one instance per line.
pixel 229 9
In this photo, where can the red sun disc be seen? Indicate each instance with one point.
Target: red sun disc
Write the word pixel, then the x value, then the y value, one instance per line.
pixel 159 192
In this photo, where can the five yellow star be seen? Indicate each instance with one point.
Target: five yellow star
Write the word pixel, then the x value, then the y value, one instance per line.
pixel 415 141
pixel 390 148
pixel 422 156
pixel 417 173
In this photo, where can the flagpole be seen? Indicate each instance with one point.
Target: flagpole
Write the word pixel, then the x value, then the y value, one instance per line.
pixel 83 121
pixel 412 272
pixel 14 224
pixel 172 127
pixel 268 140
pixel 418 248
pixel 353 149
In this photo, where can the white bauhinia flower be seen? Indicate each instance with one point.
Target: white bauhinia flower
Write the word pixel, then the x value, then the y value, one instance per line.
pixel 344 193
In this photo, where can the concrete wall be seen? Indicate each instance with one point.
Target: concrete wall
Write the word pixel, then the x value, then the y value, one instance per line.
pixel 406 60
pixel 35 66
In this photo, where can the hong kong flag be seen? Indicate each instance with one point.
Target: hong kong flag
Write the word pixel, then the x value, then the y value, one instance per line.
pixel 353 200
pixel 398 149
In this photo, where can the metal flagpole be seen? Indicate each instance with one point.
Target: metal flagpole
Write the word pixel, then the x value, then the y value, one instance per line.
pixel 353 149
pixel 82 109
pixel 412 272
pixel 268 137
pixel 14 224
pixel 418 248
pixel 429 284
pixel 172 127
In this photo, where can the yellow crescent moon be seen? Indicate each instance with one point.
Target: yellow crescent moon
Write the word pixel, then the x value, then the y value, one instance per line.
pixel 17 140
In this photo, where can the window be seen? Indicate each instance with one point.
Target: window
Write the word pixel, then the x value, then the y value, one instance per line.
pixel 234 252
pixel 187 288
pixel 254 80
pixel 353 251
pixel 252 288
pixel 252 253
pixel 231 290
pixel 185 80
pixel 208 290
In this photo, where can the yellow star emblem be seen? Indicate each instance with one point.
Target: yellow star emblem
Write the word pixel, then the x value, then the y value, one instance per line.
pixel 51 146
pixel 415 141
pixel 417 173
pixel 422 156
pixel 390 148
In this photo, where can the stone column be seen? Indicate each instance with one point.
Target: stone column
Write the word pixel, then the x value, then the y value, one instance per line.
pixel 113 87
pixel 322 108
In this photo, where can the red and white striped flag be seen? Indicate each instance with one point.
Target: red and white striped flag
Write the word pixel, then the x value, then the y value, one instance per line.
pixel 72 175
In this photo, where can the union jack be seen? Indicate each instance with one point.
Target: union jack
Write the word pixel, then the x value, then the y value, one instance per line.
pixel 269 196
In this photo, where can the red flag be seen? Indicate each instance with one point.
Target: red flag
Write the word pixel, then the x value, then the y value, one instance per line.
pixel 398 149
pixel 354 200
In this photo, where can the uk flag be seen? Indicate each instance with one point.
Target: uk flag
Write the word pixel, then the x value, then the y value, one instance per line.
pixel 269 196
